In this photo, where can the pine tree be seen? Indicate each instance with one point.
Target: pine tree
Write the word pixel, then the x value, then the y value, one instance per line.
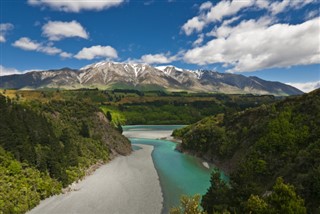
pixel 109 116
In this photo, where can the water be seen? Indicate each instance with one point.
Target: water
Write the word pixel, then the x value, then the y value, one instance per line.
pixel 178 173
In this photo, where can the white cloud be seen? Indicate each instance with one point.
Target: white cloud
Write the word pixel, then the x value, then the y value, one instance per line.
pixel 312 14
pixel 307 86
pixel 76 5
pixel 4 28
pixel 199 40
pixel 254 45
pixel 225 9
pixel 157 58
pixel 247 25
pixel 280 6
pixel 212 13
pixel 194 24
pixel 4 71
pixel 26 44
pixel 209 13
pixel 56 30
pixel 8 71
pixel 97 52
pixel 2 39
pixel 49 50
pixel 262 4
pixel 205 6
pixel 65 55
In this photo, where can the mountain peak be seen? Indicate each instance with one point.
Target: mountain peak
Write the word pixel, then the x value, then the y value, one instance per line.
pixel 109 75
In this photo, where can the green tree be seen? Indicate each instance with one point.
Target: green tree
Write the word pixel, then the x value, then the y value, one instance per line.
pixel 217 198
pixel 256 205
pixel 109 116
pixel 119 128
pixel 189 205
pixel 85 132
pixel 283 199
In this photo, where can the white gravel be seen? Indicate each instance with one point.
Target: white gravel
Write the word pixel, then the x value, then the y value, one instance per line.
pixel 128 184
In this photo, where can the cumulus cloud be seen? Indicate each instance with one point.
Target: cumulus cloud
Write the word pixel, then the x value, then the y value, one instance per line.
pixel 27 44
pixel 4 28
pixel 205 6
pixel 199 40
pixel 312 14
pixel 76 6
pixel 97 52
pixel 157 58
pixel 49 50
pixel 225 30
pixel 307 86
pixel 8 71
pixel 193 25
pixel 254 45
pixel 4 71
pixel 209 13
pixel 65 55
pixel 57 30
pixel 280 6
pixel 225 9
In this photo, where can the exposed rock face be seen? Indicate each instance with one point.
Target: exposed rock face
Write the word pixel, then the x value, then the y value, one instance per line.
pixel 106 75
pixel 117 143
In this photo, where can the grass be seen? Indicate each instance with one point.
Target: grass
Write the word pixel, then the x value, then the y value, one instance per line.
pixel 117 116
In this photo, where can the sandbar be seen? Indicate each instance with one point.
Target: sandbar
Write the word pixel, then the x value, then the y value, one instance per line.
pixel 127 184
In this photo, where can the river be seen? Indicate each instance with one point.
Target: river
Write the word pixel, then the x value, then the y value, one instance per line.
pixel 179 174
pixel 150 180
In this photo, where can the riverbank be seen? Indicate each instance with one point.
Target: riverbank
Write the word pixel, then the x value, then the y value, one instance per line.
pixel 137 132
pixel 179 174
pixel 127 184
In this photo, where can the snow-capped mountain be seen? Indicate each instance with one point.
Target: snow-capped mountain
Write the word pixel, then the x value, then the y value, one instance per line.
pixel 109 75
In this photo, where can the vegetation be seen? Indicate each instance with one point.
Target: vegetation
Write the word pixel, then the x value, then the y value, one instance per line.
pixel 21 186
pixel 47 145
pixel 49 138
pixel 189 205
pixel 282 199
pixel 115 115
pixel 182 108
pixel 131 107
pixel 255 147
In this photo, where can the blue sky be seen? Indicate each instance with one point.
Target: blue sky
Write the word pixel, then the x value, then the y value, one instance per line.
pixel 274 40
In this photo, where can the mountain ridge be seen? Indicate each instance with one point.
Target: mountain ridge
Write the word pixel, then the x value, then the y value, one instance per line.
pixel 110 75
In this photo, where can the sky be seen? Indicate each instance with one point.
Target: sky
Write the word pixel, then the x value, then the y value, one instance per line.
pixel 277 40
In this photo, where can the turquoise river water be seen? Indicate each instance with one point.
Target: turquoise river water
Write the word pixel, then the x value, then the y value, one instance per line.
pixel 178 173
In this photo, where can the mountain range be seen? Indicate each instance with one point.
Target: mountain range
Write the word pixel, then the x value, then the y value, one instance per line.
pixel 111 75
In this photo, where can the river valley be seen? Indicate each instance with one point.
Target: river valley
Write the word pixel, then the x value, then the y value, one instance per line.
pixel 151 180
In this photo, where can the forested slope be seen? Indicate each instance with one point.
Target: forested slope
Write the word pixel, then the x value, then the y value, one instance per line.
pixel 259 145
pixel 132 107
pixel 47 145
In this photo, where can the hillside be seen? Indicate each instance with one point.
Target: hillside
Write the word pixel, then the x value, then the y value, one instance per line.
pixel 130 107
pixel 47 145
pixel 112 75
pixel 258 145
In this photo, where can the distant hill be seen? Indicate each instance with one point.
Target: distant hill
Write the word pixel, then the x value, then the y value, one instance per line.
pixel 111 75
pixel 258 145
